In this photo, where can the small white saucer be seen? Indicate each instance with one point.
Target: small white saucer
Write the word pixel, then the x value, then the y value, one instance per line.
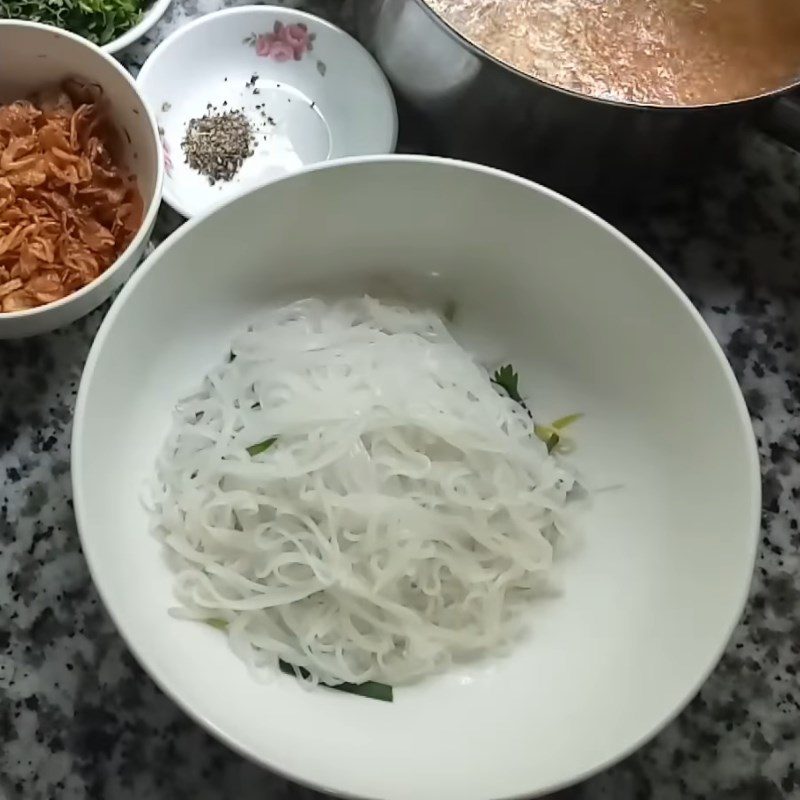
pixel 309 90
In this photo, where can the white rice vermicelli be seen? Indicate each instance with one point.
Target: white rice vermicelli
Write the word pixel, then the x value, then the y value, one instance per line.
pixel 399 516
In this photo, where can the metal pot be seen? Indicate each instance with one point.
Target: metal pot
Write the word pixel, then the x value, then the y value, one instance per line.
pixel 471 106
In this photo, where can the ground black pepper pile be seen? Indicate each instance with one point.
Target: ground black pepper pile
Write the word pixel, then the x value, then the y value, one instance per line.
pixel 217 144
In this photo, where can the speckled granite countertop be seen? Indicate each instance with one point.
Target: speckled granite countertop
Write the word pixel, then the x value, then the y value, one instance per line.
pixel 79 719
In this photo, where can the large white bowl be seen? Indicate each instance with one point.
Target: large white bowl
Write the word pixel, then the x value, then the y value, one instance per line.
pixel 649 598
pixel 40 55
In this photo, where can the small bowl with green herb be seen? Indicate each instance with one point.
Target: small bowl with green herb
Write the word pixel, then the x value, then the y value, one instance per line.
pixel 110 24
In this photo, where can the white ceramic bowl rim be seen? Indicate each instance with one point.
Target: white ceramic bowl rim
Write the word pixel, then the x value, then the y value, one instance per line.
pixel 150 17
pixel 151 207
pixel 285 11
pixel 173 689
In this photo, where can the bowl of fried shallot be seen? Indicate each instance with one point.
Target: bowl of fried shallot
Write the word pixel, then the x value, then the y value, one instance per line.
pixel 81 169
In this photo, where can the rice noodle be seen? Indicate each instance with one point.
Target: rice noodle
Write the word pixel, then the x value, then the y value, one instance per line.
pixel 403 518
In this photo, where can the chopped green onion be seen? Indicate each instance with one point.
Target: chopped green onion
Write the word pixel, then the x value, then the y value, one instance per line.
pixel 255 449
pixel 508 380
pixel 565 422
pixel 99 21
pixel 547 435
pixel 219 624
pixel 371 689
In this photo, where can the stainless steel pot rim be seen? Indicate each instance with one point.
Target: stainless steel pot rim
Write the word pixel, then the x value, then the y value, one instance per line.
pixel 632 105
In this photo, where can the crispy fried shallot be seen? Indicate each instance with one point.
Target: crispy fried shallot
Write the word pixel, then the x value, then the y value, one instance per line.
pixel 67 207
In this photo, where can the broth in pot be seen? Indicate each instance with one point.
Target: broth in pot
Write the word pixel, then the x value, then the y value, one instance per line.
pixel 655 52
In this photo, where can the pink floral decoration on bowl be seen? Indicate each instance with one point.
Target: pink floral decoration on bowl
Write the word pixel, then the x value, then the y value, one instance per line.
pixel 285 43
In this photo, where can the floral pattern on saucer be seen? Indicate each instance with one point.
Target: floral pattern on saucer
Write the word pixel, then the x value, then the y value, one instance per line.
pixel 285 43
